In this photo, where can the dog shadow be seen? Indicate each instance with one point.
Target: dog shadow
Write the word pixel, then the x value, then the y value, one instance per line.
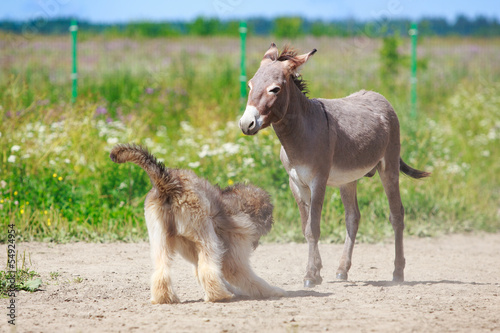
pixel 289 294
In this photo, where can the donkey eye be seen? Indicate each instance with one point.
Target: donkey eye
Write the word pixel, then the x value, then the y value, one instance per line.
pixel 275 90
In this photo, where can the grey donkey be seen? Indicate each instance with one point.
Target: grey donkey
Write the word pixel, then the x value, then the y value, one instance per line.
pixel 328 142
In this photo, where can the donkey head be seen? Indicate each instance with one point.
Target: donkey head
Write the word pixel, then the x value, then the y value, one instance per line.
pixel 270 88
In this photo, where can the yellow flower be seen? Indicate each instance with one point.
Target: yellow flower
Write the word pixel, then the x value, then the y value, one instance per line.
pixel 22 211
pixel 15 192
pixel 1 201
pixel 45 212
pixel 48 222
pixel 54 175
pixel 60 178
pixel 230 182
pixel 27 202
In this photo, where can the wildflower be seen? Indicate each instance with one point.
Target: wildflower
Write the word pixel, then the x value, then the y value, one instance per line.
pixel 149 91
pixel 248 161
pixel 54 175
pixel 16 202
pixel 1 201
pixel 22 211
pixel 230 182
pixel 60 178
pixel 3 183
pixel 15 148
pixel 230 148
pixel 100 110
pixel 112 141
pixel 45 212
pixel 11 159
pixel 194 165
pixel 15 192
pixel 48 222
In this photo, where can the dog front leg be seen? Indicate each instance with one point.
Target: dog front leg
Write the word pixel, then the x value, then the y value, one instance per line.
pixel 238 272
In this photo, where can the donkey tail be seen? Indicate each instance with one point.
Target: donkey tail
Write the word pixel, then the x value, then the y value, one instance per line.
pixel 409 171
pixel 157 172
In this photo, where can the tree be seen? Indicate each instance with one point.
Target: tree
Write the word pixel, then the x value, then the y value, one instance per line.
pixel 287 27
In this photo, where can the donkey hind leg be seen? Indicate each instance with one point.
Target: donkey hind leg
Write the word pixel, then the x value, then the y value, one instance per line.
pixel 302 196
pixel 352 216
pixel 390 181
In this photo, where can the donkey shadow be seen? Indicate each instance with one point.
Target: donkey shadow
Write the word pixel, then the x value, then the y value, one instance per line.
pixel 406 283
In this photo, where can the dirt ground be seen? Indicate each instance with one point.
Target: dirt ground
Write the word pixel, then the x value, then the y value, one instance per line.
pixel 452 284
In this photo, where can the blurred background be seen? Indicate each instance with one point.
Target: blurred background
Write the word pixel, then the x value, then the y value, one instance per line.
pixel 78 77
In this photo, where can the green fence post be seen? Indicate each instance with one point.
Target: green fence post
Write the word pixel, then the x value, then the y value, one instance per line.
pixel 413 80
pixel 243 76
pixel 74 73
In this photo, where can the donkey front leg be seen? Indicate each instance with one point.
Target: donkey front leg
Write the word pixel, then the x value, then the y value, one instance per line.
pixel 352 216
pixel 312 233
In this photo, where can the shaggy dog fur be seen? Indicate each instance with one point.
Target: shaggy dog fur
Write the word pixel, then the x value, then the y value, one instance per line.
pixel 214 229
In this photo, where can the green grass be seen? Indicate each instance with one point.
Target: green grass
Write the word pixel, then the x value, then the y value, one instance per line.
pixel 180 98
pixel 24 278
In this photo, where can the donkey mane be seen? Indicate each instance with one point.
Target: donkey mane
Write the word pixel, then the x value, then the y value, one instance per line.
pixel 290 54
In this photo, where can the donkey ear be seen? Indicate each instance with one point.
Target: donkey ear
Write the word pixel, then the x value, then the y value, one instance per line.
pixel 270 55
pixel 297 61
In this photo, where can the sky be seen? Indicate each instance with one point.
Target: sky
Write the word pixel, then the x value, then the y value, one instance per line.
pixel 106 11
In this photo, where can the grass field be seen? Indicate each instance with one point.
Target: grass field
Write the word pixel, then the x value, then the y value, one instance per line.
pixel 180 98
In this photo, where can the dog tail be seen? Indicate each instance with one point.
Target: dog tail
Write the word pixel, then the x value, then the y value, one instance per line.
pixel 409 171
pixel 157 172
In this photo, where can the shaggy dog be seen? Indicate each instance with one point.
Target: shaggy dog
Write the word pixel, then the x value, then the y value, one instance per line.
pixel 214 229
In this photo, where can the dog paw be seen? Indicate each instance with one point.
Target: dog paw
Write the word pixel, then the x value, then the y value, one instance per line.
pixel 165 299
pixel 277 292
pixel 219 297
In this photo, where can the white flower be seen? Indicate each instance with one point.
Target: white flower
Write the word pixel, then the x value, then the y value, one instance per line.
pixel 11 159
pixel 15 148
pixel 112 141
pixel 3 183
pixel 205 151
pixel 248 161
pixel 194 165
pixel 230 148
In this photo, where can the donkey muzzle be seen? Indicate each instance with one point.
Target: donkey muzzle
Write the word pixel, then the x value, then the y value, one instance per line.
pixel 251 121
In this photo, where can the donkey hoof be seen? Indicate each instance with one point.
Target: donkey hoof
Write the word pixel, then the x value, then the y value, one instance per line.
pixel 309 283
pixel 342 276
pixel 398 278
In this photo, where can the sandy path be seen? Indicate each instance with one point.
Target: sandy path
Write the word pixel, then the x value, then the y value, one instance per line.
pixel 452 284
